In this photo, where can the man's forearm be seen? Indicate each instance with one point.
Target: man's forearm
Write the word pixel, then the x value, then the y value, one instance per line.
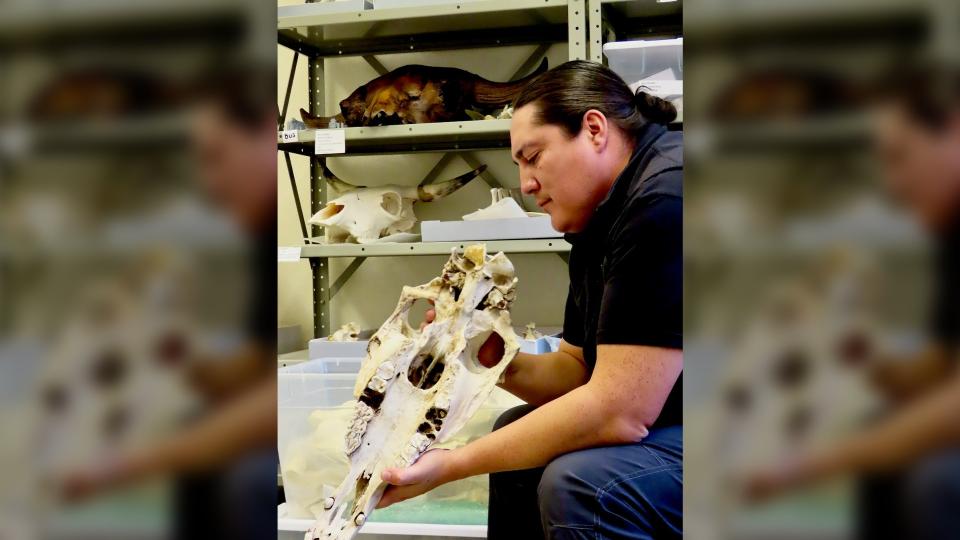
pixel 539 378
pixel 570 422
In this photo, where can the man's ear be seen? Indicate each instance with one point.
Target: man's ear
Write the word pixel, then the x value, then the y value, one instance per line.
pixel 595 126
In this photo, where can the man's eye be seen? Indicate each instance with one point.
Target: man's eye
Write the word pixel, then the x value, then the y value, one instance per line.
pixel 533 159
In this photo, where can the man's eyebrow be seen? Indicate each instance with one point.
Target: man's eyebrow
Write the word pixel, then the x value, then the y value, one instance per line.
pixel 519 153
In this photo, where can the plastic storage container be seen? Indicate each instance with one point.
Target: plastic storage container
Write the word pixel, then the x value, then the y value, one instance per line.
pixel 656 64
pixel 314 410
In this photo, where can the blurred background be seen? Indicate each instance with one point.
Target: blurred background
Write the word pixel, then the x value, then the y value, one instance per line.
pixel 121 275
pixel 802 273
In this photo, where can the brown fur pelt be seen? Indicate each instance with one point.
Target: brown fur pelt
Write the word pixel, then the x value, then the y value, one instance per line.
pixel 416 94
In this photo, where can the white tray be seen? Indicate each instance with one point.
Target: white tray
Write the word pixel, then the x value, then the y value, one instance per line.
pixel 488 229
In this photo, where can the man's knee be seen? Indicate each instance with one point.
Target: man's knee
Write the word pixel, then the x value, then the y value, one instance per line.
pixel 512 415
pixel 565 495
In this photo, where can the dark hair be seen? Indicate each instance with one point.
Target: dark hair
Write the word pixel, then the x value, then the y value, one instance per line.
pixel 928 93
pixel 569 90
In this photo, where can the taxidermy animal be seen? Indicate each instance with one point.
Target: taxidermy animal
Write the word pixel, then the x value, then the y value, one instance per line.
pixel 419 387
pixel 416 94
pixel 363 214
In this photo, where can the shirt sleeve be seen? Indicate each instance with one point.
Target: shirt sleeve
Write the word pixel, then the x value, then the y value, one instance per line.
pixel 572 321
pixel 643 276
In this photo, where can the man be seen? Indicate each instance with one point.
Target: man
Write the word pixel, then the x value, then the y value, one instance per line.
pixel 912 458
pixel 598 450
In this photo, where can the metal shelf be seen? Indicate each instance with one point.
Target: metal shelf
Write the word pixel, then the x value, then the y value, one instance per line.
pixel 553 245
pixel 487 23
pixel 439 136
pixel 475 11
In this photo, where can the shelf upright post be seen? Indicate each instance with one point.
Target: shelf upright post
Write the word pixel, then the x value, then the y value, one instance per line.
pixel 319 268
pixel 595 30
pixel 577 29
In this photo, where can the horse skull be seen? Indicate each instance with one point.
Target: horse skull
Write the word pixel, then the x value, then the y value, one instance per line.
pixel 418 387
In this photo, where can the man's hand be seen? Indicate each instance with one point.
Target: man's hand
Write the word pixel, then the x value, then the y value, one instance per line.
pixel 490 353
pixel 434 468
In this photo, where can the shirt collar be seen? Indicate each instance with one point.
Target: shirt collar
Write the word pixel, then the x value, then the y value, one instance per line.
pixel 611 205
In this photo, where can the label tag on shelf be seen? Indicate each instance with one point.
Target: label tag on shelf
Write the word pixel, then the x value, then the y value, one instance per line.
pixel 290 136
pixel 330 141
pixel 288 254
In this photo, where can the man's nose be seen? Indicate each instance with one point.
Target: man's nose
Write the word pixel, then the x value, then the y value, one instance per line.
pixel 528 184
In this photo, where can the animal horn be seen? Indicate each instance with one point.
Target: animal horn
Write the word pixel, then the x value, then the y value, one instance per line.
pixel 497 93
pixel 320 122
pixel 439 190
pixel 336 183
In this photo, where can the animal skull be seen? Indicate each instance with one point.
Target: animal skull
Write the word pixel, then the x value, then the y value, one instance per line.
pixel 347 332
pixel 364 214
pixel 418 387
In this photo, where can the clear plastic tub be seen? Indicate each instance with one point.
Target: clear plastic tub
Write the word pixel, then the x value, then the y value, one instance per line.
pixel 314 410
pixel 656 64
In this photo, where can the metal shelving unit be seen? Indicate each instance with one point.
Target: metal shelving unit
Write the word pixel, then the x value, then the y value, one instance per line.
pixel 309 31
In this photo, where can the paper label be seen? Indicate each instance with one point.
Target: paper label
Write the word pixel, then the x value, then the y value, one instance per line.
pixel 660 87
pixel 330 141
pixel 290 136
pixel 288 254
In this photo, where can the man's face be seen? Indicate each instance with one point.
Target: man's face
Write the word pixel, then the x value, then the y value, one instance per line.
pixel 237 165
pixel 922 166
pixel 562 172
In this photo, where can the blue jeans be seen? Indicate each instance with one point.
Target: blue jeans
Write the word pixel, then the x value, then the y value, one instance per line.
pixel 628 491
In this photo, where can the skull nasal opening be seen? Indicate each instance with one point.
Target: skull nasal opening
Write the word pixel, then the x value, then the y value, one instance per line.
pixel 425 371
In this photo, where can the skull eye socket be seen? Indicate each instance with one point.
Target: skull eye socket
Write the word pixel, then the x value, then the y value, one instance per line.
pixel 391 203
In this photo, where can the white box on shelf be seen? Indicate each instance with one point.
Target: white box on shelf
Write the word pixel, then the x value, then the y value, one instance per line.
pixel 488 229
pixel 656 64
pixel 321 348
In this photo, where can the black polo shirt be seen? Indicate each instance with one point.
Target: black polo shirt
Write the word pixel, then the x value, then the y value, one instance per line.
pixel 626 266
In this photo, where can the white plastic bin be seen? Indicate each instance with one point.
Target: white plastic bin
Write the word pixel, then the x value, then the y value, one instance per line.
pixel 656 64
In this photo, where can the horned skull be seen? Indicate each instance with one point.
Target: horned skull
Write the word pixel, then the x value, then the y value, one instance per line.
pixel 363 214
pixel 419 387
